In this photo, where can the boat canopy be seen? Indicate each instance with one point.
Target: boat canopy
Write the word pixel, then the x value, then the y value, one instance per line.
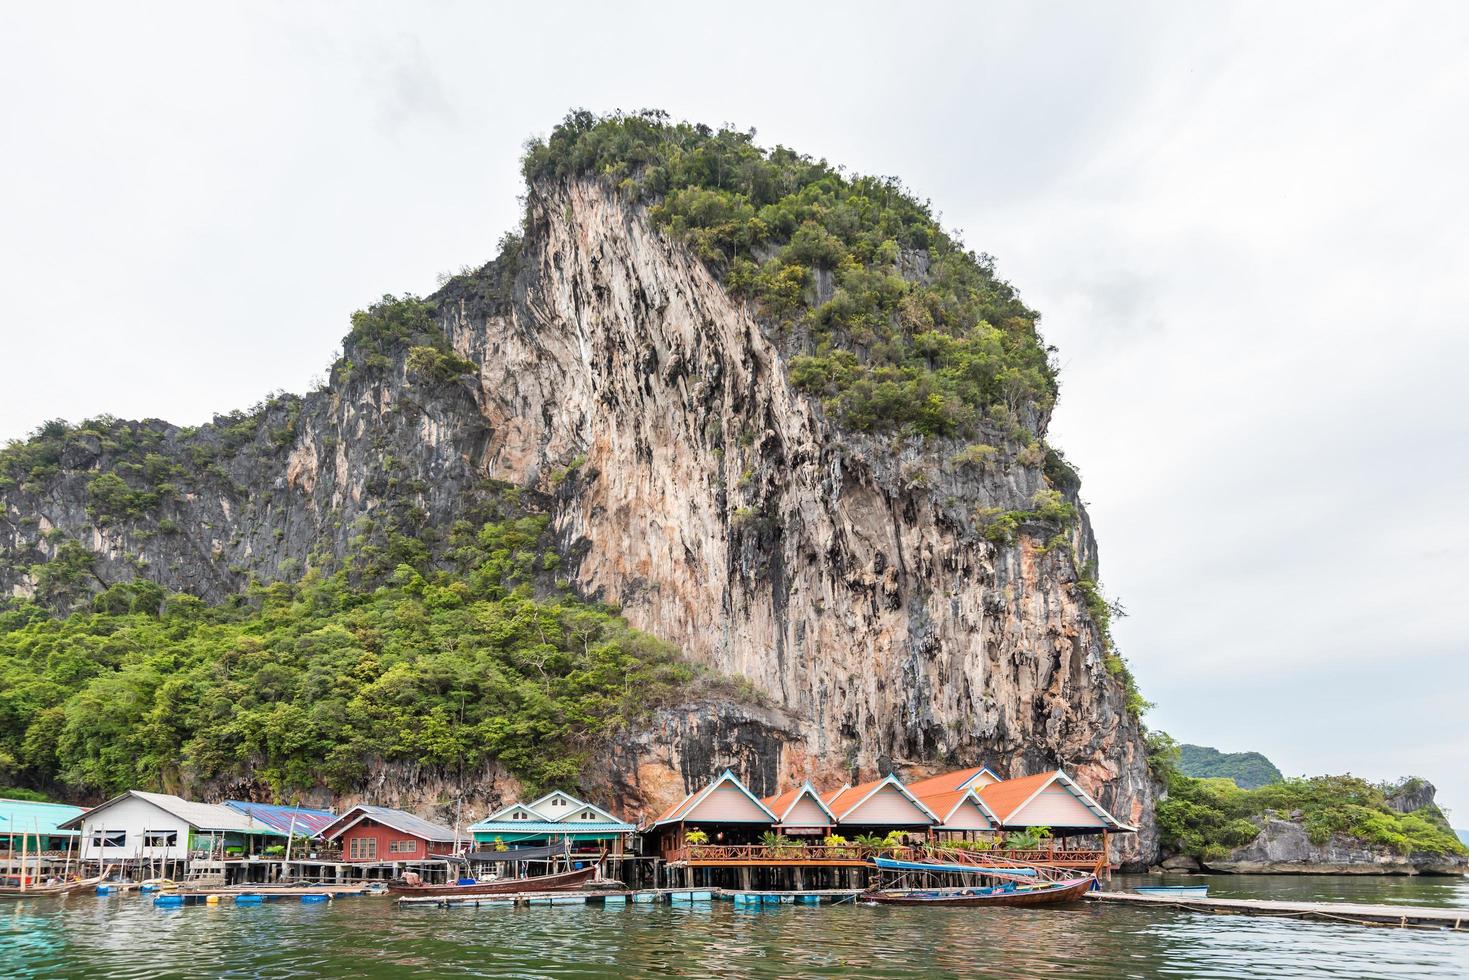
pixel 891 864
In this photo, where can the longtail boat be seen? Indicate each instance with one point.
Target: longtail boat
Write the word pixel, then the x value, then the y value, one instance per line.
pixel 1015 885
pixel 1052 893
pixel 59 888
pixel 561 881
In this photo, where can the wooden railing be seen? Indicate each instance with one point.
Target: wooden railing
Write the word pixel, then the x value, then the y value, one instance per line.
pixel 822 853
pixel 778 853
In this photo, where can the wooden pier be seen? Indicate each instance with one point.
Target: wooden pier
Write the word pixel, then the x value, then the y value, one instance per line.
pixel 600 897
pixel 673 896
pixel 1367 915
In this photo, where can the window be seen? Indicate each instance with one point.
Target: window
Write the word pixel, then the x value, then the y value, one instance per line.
pixel 403 846
pixel 362 849
pixel 109 838
pixel 588 815
pixel 558 802
pixel 160 838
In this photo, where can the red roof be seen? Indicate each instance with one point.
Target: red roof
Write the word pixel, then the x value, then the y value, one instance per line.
pixel 671 811
pixel 852 795
pixel 842 801
pixel 782 802
pixel 1005 798
pixel 947 782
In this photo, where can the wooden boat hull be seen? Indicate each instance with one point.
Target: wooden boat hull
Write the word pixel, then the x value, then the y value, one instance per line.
pixel 545 883
pixel 15 891
pixel 1071 891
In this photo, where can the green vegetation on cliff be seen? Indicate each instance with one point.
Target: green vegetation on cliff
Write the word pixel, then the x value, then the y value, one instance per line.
pixel 1249 770
pixel 890 320
pixel 295 685
pixel 1207 818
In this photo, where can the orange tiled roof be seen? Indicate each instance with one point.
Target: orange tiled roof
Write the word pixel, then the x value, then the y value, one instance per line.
pixel 1005 798
pixel 947 782
pixel 782 801
pixel 851 794
pixel 942 803
pixel 671 811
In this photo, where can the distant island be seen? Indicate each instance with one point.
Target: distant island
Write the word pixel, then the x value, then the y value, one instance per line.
pixel 1234 812
pixel 1249 770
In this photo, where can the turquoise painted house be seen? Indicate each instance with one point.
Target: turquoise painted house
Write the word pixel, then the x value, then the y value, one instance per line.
pixel 551 820
pixel 37 821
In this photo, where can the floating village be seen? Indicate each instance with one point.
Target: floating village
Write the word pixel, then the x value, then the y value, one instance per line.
pixel 966 836
pixel 961 839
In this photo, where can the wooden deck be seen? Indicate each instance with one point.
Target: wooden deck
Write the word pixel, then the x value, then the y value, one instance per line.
pixel 1373 915
pixel 856 856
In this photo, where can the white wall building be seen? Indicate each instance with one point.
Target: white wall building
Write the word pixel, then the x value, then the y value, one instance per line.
pixel 157 826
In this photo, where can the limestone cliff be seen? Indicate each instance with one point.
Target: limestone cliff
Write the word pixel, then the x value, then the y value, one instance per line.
pixel 843 574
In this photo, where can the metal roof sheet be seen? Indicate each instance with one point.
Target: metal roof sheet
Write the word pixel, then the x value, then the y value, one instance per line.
pixel 200 816
pixel 30 817
pixel 397 819
pixel 302 821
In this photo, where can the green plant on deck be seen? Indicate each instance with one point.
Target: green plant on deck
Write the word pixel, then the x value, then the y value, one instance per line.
pixel 500 845
pixel 1025 840
pixel 778 843
pixel 694 837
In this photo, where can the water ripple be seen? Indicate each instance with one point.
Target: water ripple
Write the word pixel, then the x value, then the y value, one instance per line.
pixel 127 937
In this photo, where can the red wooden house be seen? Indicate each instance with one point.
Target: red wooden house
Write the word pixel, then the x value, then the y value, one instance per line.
pixel 378 834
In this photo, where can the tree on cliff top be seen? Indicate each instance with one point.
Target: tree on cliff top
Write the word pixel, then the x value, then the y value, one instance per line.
pixel 888 319
pixel 1249 770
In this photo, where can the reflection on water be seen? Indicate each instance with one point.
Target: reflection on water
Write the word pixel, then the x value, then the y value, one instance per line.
pixel 125 936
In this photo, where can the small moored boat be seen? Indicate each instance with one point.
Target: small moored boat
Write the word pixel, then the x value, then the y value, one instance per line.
pixel 1011 885
pixel 1174 891
pixel 561 881
pixel 55 888
pixel 1007 894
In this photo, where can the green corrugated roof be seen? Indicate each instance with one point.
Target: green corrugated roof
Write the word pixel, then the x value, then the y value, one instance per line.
pixel 24 817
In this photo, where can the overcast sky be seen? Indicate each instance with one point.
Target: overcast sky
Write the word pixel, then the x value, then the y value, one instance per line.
pixel 1246 227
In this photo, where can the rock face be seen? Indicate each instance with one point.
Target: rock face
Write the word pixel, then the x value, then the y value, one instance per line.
pixel 842 575
pixel 1413 794
pixel 1283 847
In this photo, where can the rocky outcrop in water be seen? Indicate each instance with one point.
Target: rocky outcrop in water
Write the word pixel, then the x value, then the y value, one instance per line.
pixel 1284 847
pixel 841 574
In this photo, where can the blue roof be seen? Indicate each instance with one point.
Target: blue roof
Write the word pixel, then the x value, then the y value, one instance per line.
pixel 25 817
pixel 308 822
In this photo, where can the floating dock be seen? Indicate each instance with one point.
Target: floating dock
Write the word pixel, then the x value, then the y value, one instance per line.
pixel 808 897
pixel 255 896
pixel 672 895
pixel 1367 915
